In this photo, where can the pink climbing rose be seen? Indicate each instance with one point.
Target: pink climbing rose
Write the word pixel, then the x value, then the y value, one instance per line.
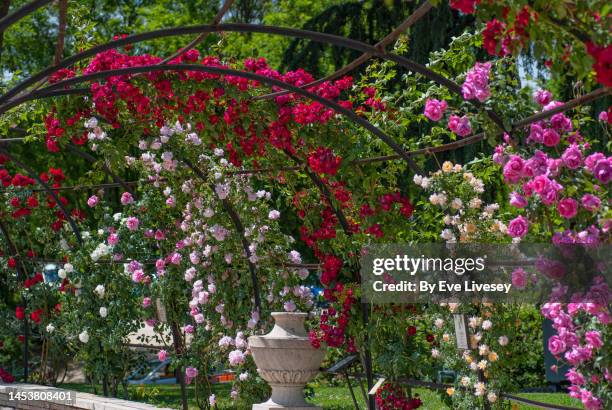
pixel 567 207
pixel 518 227
pixel 460 125
pixel 476 83
pixel 434 109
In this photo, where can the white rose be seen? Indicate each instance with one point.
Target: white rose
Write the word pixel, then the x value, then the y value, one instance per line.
pixel 100 290
pixel 50 328
pixel 84 336
pixel 61 273
pixel 103 312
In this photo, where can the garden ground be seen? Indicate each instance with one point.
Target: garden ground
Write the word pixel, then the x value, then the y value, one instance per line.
pixel 328 397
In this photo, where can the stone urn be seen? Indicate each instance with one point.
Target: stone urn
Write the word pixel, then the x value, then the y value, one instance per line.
pixel 287 361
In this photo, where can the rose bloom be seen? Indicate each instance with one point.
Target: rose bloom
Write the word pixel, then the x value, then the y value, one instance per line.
pixel 517 200
pixel 514 169
pixel 132 223
pixel 572 157
pixel 113 239
pixel 551 138
pixel 93 201
pixel 567 207
pixel 460 125
pixel 519 278
pixel 434 109
pixel 146 302
pixel 593 339
pixel 518 227
pixel 126 198
pixel 236 358
pixel 556 345
pixel 542 97
pixel 590 202
pixel 602 170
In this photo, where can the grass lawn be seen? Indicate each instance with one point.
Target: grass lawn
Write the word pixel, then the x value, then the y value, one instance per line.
pixel 328 397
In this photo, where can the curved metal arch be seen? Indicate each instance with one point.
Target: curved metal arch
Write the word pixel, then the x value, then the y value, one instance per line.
pixel 11 247
pixel 52 90
pixel 233 27
pixel 35 176
pixel 254 28
pixel 416 15
pixel 24 11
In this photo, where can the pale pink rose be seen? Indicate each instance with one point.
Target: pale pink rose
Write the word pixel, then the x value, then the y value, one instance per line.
pixel 126 198
pixel 236 358
pixel 132 223
pixel 93 201
pixel 113 239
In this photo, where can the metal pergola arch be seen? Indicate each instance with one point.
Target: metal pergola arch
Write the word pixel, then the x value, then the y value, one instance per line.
pixel 56 89
pixel 252 28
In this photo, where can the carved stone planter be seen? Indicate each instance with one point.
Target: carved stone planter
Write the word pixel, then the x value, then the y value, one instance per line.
pixel 287 361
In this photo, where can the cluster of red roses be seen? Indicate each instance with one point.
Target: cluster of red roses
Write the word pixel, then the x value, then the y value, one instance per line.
pixel 24 206
pixel 5 376
pixel 334 321
pixel 34 280
pixel 35 315
pixel 392 397
pixel 323 161
pixel 500 38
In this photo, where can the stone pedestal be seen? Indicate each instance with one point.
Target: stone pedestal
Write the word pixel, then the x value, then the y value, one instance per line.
pixel 287 361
